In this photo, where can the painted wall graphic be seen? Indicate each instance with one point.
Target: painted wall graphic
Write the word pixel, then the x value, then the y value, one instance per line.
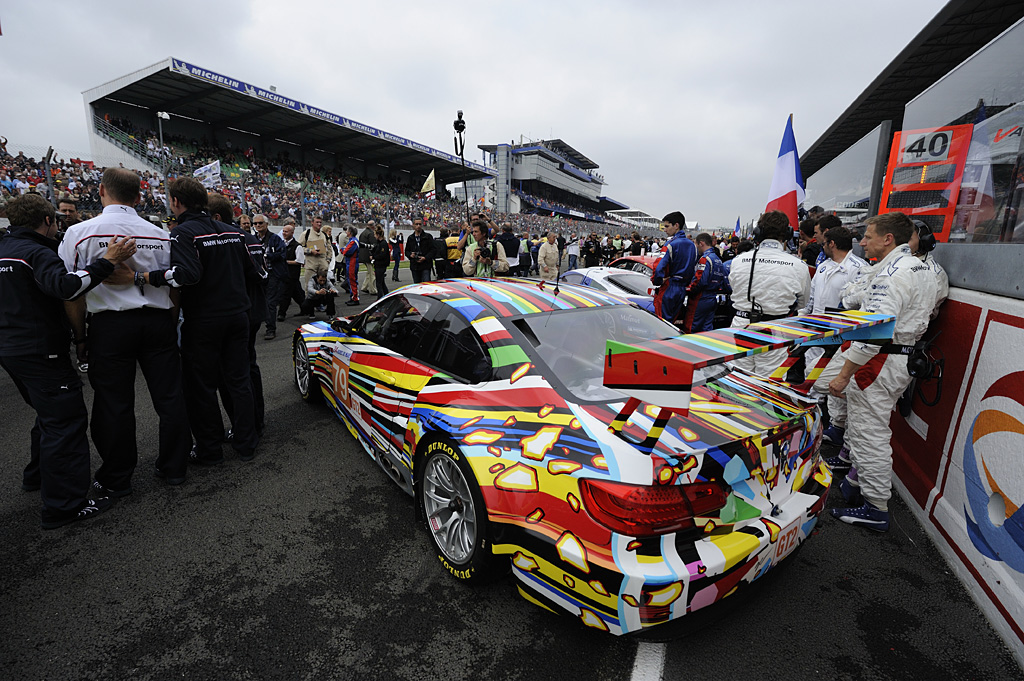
pixel 960 464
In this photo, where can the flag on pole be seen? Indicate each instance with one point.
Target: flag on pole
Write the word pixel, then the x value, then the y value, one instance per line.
pixel 428 187
pixel 736 229
pixel 787 190
pixel 209 175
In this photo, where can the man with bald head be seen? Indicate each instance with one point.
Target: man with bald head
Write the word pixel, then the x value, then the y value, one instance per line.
pixel 130 323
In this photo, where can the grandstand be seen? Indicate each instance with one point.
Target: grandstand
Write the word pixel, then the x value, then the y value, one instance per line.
pixel 227 113
pixel 546 177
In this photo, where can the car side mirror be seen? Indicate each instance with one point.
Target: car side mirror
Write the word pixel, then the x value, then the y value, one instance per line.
pixel 342 325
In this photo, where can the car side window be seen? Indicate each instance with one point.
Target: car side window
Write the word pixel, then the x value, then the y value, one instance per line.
pixel 572 278
pixel 407 324
pixel 452 346
pixel 594 283
pixel 376 320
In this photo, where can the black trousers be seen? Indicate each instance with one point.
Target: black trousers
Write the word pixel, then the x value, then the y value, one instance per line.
pixel 60 448
pixel 255 380
pixel 276 289
pixel 214 351
pixel 310 303
pixel 117 341
pixel 420 275
pixel 380 274
pixel 292 291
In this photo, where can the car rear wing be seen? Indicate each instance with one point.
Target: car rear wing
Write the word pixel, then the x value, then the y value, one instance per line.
pixel 662 372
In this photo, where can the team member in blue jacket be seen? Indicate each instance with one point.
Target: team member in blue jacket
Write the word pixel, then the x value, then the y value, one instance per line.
pixel 709 280
pixel 34 350
pixel 675 270
pixel 351 255
pixel 275 252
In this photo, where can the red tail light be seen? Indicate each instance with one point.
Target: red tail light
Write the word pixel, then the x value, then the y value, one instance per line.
pixel 646 510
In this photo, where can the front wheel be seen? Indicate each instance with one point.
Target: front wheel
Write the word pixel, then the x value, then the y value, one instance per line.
pixel 305 381
pixel 456 517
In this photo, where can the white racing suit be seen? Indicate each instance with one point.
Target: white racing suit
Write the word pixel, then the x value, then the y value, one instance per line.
pixel 904 288
pixel 780 281
pixel 854 297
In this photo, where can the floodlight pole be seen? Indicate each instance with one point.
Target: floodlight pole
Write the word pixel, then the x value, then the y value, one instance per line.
pixel 49 176
pixel 160 116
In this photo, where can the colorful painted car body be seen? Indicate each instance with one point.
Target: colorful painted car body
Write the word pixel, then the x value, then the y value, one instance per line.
pixel 606 506
pixel 634 286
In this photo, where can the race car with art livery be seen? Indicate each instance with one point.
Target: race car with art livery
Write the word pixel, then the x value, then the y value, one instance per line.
pixel 626 474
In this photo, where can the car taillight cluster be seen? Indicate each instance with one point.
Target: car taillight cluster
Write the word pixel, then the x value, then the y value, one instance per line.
pixel 648 510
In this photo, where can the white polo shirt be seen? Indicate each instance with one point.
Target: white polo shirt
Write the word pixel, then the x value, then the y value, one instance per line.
pixel 829 280
pixel 85 242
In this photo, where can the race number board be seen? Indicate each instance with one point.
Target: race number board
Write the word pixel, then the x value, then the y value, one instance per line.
pixel 924 173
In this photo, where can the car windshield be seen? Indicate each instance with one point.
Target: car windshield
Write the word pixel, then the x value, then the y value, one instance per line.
pixel 572 345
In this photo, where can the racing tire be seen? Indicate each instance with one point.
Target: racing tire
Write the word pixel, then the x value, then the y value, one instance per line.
pixel 305 381
pixel 455 515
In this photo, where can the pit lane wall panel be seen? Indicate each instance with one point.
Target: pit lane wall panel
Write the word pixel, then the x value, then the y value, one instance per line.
pixel 960 464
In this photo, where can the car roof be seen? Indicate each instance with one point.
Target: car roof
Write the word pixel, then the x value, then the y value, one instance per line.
pixel 513 297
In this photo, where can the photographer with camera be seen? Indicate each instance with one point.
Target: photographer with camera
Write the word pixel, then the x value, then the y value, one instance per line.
pixel 483 258
pixel 319 291
pixel 768 283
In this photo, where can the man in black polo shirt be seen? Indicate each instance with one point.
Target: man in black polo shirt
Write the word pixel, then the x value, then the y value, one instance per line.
pixel 419 248
pixel 34 350
pixel 211 265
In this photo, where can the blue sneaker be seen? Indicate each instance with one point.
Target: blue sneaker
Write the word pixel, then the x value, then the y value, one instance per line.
pixel 834 434
pixel 866 516
pixel 850 491
pixel 840 461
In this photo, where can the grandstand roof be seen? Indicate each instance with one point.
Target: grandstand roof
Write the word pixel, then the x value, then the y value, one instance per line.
pixel 961 28
pixel 570 153
pixel 185 89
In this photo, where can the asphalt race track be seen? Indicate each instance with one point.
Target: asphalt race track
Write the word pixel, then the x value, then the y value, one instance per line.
pixel 306 563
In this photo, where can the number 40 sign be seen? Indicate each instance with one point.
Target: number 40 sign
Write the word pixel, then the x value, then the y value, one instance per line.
pixel 928 147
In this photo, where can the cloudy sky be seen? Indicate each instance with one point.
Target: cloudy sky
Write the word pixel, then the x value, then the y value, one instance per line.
pixel 682 104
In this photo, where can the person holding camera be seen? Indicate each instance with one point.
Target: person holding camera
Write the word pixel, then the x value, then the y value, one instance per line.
pixel 768 283
pixel 874 376
pixel 319 291
pixel 483 258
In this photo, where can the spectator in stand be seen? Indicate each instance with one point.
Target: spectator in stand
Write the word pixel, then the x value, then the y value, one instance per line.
pixel 395 240
pixel 419 248
pixel 351 254
pixel 319 291
pixel 380 256
pixel 34 344
pixel 548 258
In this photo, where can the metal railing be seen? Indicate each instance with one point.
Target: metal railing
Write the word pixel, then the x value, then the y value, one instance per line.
pixel 127 142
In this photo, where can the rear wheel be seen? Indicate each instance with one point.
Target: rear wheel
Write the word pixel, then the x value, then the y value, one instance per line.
pixel 305 381
pixel 454 510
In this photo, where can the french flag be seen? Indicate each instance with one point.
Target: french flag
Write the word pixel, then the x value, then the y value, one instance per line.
pixel 736 231
pixel 787 190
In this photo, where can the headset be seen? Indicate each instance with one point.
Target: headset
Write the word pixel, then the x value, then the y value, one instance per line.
pixel 925 236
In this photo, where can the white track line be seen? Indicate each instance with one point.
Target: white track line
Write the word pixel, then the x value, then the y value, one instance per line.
pixel 649 662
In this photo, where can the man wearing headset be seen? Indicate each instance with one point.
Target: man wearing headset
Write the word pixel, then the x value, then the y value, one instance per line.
pixel 874 376
pixel 767 283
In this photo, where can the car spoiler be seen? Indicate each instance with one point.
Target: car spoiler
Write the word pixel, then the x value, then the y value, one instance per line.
pixel 661 372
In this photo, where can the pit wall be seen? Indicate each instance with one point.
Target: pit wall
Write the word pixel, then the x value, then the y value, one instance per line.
pixel 960 464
